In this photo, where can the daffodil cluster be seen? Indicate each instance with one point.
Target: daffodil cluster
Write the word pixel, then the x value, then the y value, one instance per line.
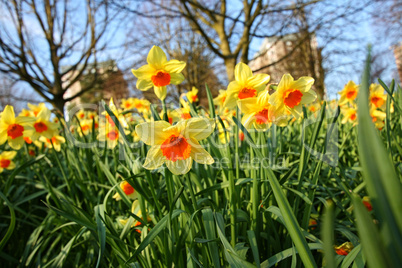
pixel 377 101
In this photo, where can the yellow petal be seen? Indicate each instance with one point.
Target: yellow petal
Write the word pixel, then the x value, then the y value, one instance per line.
pixel 155 158
pixel 16 143
pixel 8 155
pixel 199 128
pixel 160 92
pixel 199 154
pixel 151 133
pixel 176 78
pixel 174 66
pixel 11 165
pixel 242 72
pixel 156 58
pixel 258 80
pixel 285 83
pixel 144 85
pixel 3 136
pixel 248 105
pixel 308 97
pixel 144 72
pixel 180 166
pixel 303 83
pixel 8 115
pixel 247 120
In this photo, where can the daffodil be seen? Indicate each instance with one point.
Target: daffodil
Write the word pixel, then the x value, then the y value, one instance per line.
pixel 378 117
pixel 14 129
pixel 177 145
pixel 349 115
pixel 142 105
pixel 220 99
pixel 54 142
pixel 377 98
pixel 128 190
pixel 36 108
pixel 136 210
pixel 246 85
pixel 127 104
pixel 173 115
pixel 159 72
pixel 256 111
pixel 344 249
pixel 42 125
pixel 289 96
pixel 6 160
pixel 348 93
pixel 80 114
pixel 192 95
pixel 110 135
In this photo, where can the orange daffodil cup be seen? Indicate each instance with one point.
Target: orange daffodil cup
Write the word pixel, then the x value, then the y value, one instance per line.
pixel 177 145
pixel 14 129
pixel 289 97
pixel 246 85
pixel 159 73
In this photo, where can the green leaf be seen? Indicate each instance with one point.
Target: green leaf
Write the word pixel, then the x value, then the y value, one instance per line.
pixel 210 232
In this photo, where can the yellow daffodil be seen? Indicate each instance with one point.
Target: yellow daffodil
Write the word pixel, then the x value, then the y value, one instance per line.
pixel 246 85
pixel 127 104
pixel 36 108
pixel 348 93
pixel 80 114
pixel 349 115
pixel 136 210
pixel 55 142
pixel 6 162
pixel 26 112
pixel 177 145
pixel 142 105
pixel 128 190
pixel 159 72
pixel 378 117
pixel 173 115
pixel 192 95
pixel 110 135
pixel 377 98
pixel 344 249
pixel 289 96
pixel 256 111
pixel 14 129
pixel 220 100
pixel 42 125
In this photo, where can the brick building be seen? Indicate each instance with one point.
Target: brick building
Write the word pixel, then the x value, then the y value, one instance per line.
pixel 110 84
pixel 295 54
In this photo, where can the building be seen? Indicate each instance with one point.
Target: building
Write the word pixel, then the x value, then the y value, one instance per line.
pixel 296 54
pixel 398 58
pixel 110 84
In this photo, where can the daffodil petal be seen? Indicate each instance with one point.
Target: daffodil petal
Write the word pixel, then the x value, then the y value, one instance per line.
pixel 144 72
pixel 308 97
pixel 176 78
pixel 242 72
pixel 16 143
pixel 152 133
pixel 156 58
pixel 180 167
pixel 9 155
pixel 285 83
pixel 144 85
pixel 248 105
pixel 199 128
pixel 199 154
pixel 11 165
pixel 174 66
pixel 8 115
pixel 303 83
pixel 155 158
pixel 258 80
pixel 160 92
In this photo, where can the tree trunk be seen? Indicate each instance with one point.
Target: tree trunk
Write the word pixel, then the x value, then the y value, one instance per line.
pixel 58 103
pixel 230 66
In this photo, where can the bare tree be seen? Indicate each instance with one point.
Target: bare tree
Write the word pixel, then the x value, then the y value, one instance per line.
pixel 49 44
